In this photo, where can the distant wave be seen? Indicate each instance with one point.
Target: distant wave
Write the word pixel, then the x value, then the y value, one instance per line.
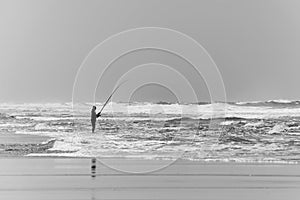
pixel 248 102
pixel 279 102
pixel 164 103
pixel 178 119
pixel 241 103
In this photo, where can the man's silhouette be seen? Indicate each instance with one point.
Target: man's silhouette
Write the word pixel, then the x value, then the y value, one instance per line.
pixel 94 117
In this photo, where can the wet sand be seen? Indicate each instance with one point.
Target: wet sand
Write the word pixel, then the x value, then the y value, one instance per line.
pixel 72 178
pixel 67 178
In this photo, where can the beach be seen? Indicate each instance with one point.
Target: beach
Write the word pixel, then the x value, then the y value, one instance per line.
pixel 149 100
pixel 121 178
pixel 252 153
pixel 69 178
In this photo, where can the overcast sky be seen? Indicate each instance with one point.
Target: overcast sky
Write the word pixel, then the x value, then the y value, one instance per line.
pixel 255 44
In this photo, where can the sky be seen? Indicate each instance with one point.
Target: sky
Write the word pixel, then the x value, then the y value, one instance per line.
pixel 255 45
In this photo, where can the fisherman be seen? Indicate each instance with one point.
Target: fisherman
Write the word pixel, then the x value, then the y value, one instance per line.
pixel 94 117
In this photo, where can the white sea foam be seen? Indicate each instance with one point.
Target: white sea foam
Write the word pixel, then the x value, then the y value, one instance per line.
pixel 278 128
pixel 158 130
pixel 190 110
pixel 208 111
pixel 280 101
pixel 226 123
pixel 248 102
pixel 254 124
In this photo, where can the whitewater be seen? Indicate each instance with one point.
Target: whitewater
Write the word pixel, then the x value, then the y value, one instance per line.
pixel 228 132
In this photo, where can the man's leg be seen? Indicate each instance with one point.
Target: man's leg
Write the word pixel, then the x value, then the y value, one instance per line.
pixel 93 126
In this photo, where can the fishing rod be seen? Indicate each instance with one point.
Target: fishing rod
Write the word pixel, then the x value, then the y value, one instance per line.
pixel 108 99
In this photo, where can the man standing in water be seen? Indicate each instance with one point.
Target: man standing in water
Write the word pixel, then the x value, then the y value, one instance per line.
pixel 94 117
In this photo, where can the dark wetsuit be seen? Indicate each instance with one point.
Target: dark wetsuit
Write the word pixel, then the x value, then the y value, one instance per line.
pixel 93 119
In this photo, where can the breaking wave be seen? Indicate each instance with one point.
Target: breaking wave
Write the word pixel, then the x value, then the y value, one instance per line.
pixel 249 131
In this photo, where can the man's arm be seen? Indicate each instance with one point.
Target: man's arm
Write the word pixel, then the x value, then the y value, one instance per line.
pixel 98 115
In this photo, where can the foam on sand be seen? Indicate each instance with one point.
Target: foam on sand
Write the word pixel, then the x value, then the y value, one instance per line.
pixel 21 144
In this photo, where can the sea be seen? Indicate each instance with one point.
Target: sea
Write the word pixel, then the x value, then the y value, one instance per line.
pixel 262 131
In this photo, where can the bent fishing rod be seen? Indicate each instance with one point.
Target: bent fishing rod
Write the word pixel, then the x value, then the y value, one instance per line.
pixel 108 99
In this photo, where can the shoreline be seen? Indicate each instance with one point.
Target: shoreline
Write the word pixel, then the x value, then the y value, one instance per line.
pixel 79 178
pixel 20 145
pixel 24 146
pixel 56 178
pixel 196 162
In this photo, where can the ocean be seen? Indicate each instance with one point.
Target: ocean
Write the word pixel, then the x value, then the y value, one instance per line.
pixel 221 132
